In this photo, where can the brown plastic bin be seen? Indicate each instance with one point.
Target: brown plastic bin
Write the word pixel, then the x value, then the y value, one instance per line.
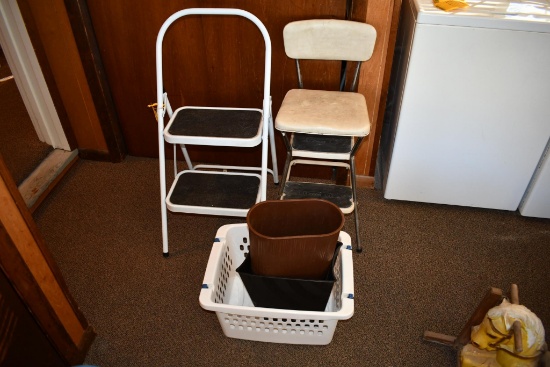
pixel 293 238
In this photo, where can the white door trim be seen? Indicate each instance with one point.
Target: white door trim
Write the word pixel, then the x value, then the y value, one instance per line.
pixel 28 76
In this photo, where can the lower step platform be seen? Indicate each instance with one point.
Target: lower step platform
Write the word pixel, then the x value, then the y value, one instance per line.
pixel 214 193
pixel 340 195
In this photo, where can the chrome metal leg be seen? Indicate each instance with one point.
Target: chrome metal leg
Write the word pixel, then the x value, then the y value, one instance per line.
pixel 272 146
pixel 287 164
pixel 356 205
pixel 358 248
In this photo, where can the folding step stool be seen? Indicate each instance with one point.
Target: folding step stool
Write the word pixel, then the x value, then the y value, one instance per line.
pixel 214 189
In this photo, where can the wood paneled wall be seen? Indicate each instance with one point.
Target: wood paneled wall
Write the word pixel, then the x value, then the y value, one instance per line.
pixel 375 74
pixel 218 61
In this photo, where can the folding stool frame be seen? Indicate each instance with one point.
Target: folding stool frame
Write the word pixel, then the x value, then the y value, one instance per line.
pixel 305 144
pixel 264 136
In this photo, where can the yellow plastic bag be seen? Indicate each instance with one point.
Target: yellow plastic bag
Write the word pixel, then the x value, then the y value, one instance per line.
pixel 449 5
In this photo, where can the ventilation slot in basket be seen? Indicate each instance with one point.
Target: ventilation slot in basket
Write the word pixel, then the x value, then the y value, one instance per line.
pixel 295 327
pixel 223 278
pixel 338 284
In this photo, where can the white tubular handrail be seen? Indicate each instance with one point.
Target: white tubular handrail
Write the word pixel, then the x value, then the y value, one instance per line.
pixel 161 109
pixel 213 11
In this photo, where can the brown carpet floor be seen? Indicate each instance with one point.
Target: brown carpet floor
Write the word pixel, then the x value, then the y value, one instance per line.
pixel 19 143
pixel 425 267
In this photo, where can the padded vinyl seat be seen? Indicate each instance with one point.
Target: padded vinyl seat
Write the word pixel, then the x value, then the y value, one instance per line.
pixel 324 112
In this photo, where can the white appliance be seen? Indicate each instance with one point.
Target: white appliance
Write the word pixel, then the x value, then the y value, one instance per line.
pixel 536 201
pixel 468 115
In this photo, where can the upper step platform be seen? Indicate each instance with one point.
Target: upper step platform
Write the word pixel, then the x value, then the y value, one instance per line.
pixel 237 127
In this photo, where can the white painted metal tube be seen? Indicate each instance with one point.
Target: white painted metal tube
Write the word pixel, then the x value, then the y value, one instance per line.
pixel 161 110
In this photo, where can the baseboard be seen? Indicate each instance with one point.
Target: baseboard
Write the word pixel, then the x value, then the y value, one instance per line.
pixel 43 179
pixel 365 181
pixel 94 155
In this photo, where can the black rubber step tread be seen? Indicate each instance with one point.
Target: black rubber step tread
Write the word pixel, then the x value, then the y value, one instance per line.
pixel 322 143
pixel 216 123
pixel 215 190
pixel 340 195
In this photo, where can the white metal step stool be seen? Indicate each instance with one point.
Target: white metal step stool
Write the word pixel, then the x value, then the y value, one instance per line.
pixel 214 189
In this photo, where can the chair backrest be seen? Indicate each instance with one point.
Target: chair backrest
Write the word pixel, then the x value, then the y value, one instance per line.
pixel 329 39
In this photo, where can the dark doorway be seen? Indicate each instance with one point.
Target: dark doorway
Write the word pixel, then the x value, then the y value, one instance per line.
pixel 19 143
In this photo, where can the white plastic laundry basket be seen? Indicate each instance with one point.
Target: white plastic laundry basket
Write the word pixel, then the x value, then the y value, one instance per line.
pixel 224 292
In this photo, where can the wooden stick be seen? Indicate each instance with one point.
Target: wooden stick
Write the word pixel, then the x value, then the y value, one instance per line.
pixel 516 327
pixel 514 294
pixel 491 299
pixel 439 338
